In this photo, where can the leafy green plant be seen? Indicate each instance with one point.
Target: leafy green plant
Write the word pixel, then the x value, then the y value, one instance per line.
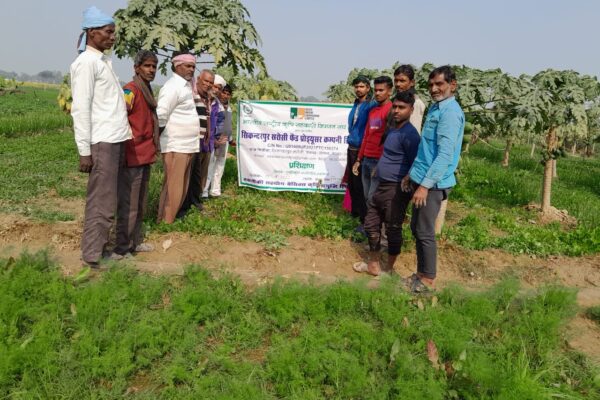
pixel 128 334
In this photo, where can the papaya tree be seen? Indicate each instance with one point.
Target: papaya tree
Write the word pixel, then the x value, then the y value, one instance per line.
pixel 219 28
pixel 558 100
pixel 593 127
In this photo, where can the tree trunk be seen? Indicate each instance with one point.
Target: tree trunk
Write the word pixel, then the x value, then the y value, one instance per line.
pixel 532 150
pixel 554 173
pixel 507 152
pixel 574 148
pixel 551 143
pixel 441 217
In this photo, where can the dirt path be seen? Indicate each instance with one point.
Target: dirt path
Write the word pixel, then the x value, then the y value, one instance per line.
pixel 324 260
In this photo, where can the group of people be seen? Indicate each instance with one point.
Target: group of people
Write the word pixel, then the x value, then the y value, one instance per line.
pixel 393 159
pixel 120 132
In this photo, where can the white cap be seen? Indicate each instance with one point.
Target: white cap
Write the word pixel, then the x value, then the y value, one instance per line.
pixel 219 80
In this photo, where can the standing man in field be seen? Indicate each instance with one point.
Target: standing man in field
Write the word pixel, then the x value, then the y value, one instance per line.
pixel 101 129
pixel 140 154
pixel 432 174
pixel 404 80
pixel 225 135
pixel 372 146
pixel 389 202
pixel 206 112
pixel 180 134
pixel 220 141
pixel 357 120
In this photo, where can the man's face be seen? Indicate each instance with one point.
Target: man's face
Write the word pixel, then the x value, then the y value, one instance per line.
pixel 102 38
pixel 205 82
pixel 401 111
pixel 382 92
pixel 403 83
pixel 146 70
pixel 186 70
pixel 361 89
pixel 216 89
pixel 439 89
pixel 224 97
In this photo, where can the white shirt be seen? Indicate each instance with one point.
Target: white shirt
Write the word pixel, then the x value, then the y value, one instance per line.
pixel 416 118
pixel 177 113
pixel 98 110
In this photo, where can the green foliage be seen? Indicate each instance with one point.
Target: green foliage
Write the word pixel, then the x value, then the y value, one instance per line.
pixel 196 336
pixel 65 98
pixel 220 28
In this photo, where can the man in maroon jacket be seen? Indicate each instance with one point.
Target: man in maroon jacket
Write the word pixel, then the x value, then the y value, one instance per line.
pixel 140 153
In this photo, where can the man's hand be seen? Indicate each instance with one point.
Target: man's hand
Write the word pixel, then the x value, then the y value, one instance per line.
pixel 85 164
pixel 222 140
pixel 355 168
pixel 420 197
pixel 405 184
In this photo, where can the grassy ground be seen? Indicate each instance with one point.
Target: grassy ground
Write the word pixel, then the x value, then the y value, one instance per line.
pixel 31 110
pixel 198 336
pixel 494 200
pixel 38 156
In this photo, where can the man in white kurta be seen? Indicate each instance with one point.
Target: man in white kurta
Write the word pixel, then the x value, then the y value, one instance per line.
pixel 101 129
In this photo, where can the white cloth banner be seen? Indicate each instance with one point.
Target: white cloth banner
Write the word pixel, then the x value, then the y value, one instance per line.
pixel 292 146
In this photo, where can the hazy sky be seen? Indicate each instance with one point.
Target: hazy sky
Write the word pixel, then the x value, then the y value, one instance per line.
pixel 314 43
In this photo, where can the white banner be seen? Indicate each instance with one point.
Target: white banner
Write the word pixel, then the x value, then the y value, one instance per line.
pixel 292 146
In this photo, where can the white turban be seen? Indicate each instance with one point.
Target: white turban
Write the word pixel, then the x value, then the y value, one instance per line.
pixel 219 80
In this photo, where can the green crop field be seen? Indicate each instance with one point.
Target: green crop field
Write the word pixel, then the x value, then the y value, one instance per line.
pixel 128 334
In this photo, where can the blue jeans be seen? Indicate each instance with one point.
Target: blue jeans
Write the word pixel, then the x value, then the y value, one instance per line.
pixel 368 180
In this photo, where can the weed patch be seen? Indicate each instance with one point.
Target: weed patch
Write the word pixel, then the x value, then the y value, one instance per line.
pixel 200 336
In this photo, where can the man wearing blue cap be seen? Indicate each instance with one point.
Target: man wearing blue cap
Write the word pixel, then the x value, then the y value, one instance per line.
pixel 101 129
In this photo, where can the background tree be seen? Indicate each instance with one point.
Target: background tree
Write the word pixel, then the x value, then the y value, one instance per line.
pixel 220 28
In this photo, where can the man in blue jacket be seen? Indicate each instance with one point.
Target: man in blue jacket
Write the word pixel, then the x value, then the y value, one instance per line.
pixel 357 120
pixel 432 173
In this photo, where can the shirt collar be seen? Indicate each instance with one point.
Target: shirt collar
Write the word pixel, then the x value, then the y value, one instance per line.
pixel 180 80
pixel 444 103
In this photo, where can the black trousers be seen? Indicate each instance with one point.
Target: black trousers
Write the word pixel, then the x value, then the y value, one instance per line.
pixel 388 204
pixel 355 187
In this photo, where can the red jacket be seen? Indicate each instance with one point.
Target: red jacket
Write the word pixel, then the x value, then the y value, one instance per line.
pixel 141 149
pixel 370 146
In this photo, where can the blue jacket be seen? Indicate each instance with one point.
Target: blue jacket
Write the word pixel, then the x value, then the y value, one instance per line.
pixel 357 130
pixel 439 150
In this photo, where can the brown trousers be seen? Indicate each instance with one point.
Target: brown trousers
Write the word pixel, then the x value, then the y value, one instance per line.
pixel 175 184
pixel 101 199
pixel 132 195
pixel 197 181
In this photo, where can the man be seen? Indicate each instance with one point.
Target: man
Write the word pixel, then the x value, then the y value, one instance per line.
pixel 220 140
pixel 101 129
pixel 389 202
pixel 404 80
pixel 180 137
pixel 140 154
pixel 372 147
pixel 357 120
pixel 224 138
pixel 207 109
pixel 432 173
